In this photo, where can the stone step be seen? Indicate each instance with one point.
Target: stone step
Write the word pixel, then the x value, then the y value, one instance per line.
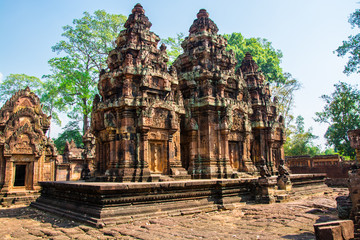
pixel 18 200
pixel 356 235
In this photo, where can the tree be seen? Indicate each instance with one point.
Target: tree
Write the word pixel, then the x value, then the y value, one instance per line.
pixel 70 132
pixel 352 46
pixel 341 113
pixel 300 142
pixel 86 48
pixel 15 82
pixel 174 46
pixel 284 92
pixel 51 101
pixel 263 53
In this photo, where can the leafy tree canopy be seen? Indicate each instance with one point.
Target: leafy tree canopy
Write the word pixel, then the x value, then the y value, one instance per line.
pixel 15 82
pixel 351 47
pixel 341 113
pixel 70 132
pixel 263 53
pixel 301 141
pixel 86 48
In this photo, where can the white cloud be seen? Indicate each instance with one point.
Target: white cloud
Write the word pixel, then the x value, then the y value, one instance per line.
pixel 1 76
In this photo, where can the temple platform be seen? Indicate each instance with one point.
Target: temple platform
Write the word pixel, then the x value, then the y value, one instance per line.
pixel 100 204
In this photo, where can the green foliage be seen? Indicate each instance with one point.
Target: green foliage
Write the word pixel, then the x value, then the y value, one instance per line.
pixel 263 53
pixel 173 45
pixel 329 151
pixel 352 46
pixel 74 87
pixel 91 38
pixel 70 132
pixel 15 82
pixel 51 101
pixel 341 113
pixel 86 47
pixel 300 142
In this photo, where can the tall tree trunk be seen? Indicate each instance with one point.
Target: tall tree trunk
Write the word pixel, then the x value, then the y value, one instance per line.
pixel 86 118
pixel 86 124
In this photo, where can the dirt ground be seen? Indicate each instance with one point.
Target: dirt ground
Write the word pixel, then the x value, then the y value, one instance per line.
pixel 291 220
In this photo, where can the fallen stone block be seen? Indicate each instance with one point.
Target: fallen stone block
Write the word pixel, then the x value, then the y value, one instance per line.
pixel 336 230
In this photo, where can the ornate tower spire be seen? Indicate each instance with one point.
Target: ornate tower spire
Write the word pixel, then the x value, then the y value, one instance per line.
pixel 248 65
pixel 203 23
pixel 137 19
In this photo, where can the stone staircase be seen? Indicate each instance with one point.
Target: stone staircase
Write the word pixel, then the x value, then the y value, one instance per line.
pixel 356 232
pixel 357 224
pixel 18 198
pixel 281 196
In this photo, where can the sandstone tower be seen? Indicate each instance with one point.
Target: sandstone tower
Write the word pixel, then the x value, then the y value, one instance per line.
pixel 27 156
pixel 200 118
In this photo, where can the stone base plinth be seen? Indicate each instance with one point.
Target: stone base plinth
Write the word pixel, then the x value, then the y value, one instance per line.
pixel 101 204
pixel 110 203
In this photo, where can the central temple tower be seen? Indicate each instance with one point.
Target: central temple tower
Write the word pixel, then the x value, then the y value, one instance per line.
pixel 216 131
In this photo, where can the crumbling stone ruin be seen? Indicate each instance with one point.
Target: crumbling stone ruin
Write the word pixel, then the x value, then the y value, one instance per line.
pixel 27 156
pixel 198 119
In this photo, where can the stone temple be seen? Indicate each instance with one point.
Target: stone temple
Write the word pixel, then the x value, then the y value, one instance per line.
pixel 175 140
pixel 27 156
pixel 198 119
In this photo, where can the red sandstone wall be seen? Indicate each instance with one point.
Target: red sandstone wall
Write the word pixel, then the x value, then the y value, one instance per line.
pixel 340 171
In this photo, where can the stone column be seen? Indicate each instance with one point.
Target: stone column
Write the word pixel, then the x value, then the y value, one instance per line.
pixel 170 154
pixel 193 152
pixel 112 142
pixel 225 145
pixel 144 153
pixel 8 175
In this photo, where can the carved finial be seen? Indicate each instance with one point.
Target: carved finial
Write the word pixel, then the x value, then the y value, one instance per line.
pixel 248 65
pixel 203 23
pixel 137 19
pixel 163 47
pixel 138 9
pixel 202 13
pixel 248 56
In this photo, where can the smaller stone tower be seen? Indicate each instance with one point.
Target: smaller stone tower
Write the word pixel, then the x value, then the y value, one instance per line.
pixel 27 156
pixel 267 126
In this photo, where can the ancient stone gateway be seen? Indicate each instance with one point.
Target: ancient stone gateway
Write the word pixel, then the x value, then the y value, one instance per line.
pixel 26 154
pixel 175 141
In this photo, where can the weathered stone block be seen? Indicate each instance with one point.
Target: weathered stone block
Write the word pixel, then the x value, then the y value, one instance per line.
pixel 336 230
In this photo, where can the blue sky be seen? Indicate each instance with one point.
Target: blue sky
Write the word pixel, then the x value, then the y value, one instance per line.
pixel 306 31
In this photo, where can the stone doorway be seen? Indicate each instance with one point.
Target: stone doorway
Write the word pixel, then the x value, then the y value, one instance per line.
pixel 235 155
pixel 20 175
pixel 158 159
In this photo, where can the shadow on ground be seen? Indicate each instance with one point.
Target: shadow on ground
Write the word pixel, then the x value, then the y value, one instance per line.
pixel 302 236
pixel 26 212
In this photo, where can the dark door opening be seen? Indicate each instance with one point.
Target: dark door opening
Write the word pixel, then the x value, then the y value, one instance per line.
pixel 20 172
